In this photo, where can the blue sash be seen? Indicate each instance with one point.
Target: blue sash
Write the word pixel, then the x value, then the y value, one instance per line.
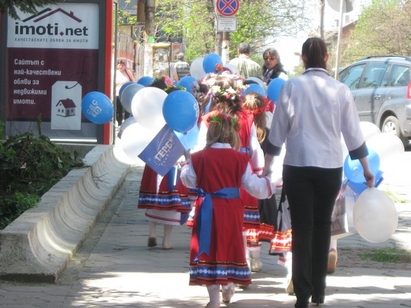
pixel 206 215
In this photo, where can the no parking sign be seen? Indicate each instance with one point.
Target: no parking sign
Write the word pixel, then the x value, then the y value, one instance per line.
pixel 227 8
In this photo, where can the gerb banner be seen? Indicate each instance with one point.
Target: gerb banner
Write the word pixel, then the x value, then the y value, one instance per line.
pixel 163 151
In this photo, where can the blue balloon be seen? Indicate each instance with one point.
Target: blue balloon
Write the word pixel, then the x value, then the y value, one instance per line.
pixel 274 88
pixel 354 171
pixel 188 82
pixel 358 188
pixel 145 80
pixel 181 111
pixel 211 62
pixel 123 87
pixel 254 88
pixel 189 140
pixel 97 107
pixel 127 96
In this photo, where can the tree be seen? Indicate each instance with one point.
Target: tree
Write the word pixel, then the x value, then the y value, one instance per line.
pixel 383 28
pixel 26 6
pixel 259 22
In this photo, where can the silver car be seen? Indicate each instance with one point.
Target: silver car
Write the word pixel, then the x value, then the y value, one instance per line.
pixel 382 92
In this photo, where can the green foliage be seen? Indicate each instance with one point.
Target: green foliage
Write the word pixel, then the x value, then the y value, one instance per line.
pixel 26 6
pixel 12 206
pixel 259 22
pixel 383 28
pixel 29 166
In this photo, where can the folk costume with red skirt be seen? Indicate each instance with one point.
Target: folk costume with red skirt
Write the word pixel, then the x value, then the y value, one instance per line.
pixel 254 151
pixel 165 199
pixel 251 147
pixel 216 248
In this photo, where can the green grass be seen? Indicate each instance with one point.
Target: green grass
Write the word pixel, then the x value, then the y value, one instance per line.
pixel 394 197
pixel 387 255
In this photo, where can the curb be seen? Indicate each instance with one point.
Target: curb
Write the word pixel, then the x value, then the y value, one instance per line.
pixel 37 246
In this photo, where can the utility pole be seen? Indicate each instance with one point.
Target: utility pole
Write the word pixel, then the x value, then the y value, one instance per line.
pixel 321 11
pixel 150 9
pixel 141 21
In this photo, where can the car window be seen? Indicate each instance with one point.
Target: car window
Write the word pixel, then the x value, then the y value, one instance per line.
pixel 400 75
pixel 351 77
pixel 373 74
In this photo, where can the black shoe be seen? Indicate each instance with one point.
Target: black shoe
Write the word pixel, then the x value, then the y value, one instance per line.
pixel 317 299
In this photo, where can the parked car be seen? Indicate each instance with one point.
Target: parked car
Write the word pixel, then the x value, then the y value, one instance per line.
pixel 381 86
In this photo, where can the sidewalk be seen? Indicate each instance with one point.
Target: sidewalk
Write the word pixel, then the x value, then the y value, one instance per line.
pixel 115 268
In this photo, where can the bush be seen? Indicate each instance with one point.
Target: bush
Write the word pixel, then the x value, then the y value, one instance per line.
pixel 29 166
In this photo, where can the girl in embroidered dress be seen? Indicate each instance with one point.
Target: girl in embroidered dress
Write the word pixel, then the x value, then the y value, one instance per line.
pixel 259 107
pixel 224 95
pixel 165 199
pixel 218 171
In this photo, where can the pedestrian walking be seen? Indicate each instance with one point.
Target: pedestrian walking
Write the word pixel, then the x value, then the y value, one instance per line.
pixel 246 66
pixel 312 112
pixel 272 67
pixel 165 199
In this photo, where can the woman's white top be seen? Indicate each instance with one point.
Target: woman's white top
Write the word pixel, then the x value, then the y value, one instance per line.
pixel 311 113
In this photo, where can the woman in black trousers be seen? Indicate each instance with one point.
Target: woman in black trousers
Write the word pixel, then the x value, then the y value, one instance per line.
pixel 312 112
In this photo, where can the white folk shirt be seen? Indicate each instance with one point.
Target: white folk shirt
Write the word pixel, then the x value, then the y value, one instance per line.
pixel 312 112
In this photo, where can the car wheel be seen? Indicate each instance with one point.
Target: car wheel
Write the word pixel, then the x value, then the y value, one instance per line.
pixel 392 126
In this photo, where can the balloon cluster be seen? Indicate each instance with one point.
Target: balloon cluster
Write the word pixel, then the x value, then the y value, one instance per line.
pixel 152 108
pixel 375 216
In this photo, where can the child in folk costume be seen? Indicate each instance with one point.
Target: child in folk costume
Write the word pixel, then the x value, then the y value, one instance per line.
pixel 259 107
pixel 165 199
pixel 224 95
pixel 218 171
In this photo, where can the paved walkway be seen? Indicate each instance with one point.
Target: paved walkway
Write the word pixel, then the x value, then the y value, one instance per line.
pixel 115 268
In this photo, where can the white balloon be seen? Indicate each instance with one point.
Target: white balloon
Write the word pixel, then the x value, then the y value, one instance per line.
pixel 196 68
pixel 387 146
pixel 127 122
pixel 128 94
pixel 147 107
pixel 375 216
pixel 134 140
pixel 369 129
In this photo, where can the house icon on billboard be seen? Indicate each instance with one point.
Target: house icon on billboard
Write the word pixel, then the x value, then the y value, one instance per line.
pixel 66 108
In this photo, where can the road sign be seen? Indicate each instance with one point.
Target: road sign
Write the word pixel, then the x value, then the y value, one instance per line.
pixel 227 8
pixel 226 24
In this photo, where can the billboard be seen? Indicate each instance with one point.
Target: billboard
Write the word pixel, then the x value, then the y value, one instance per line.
pixel 53 59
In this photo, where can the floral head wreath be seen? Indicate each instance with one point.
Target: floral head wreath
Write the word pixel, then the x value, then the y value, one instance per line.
pixel 169 83
pixel 218 92
pixel 219 118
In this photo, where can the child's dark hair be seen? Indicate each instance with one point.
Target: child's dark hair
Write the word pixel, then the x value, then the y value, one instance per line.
pixel 161 84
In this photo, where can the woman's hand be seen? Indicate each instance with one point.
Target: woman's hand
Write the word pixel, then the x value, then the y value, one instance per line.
pixel 368 175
